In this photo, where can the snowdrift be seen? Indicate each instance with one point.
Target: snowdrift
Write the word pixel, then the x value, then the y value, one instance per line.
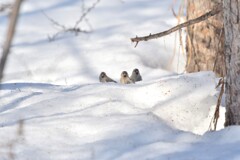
pixel 159 119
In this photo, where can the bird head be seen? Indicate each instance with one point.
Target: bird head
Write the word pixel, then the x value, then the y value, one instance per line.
pixel 103 74
pixel 136 71
pixel 124 74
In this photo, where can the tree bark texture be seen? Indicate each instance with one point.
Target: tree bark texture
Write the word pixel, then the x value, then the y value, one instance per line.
pixel 232 56
pixel 205 40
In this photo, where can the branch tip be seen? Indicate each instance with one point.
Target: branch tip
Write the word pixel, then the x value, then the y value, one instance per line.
pixel 136 44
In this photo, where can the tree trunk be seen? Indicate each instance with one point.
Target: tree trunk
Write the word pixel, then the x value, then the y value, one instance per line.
pixel 205 40
pixel 232 56
pixel 9 36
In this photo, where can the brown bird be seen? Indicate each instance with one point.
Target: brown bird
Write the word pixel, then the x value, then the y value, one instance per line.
pixel 125 78
pixel 136 75
pixel 104 78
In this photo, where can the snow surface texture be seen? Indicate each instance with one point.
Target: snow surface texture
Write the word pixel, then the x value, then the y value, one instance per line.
pixel 111 121
pixel 69 115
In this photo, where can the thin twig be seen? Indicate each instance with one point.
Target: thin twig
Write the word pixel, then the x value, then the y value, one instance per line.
pixel 178 17
pixel 207 15
pixel 75 29
pixel 86 13
pixel 71 30
pixel 85 19
pixel 54 21
pixel 217 110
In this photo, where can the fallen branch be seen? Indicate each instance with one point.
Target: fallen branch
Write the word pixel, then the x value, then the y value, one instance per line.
pixel 207 15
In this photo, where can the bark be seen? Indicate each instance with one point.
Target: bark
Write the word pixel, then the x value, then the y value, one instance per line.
pixel 232 56
pixel 205 41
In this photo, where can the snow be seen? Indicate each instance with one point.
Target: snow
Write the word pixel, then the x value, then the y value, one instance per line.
pixel 68 114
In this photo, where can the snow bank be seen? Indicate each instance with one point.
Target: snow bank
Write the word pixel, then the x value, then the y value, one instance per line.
pixel 111 121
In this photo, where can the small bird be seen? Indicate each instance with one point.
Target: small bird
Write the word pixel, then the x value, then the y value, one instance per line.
pixel 104 78
pixel 125 78
pixel 136 75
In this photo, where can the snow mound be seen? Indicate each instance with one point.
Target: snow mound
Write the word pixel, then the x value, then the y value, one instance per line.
pixel 108 121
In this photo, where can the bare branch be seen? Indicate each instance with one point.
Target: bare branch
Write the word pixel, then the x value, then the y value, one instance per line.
pixel 10 35
pixel 75 29
pixel 85 19
pixel 54 21
pixel 85 13
pixel 207 15
pixel 71 30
